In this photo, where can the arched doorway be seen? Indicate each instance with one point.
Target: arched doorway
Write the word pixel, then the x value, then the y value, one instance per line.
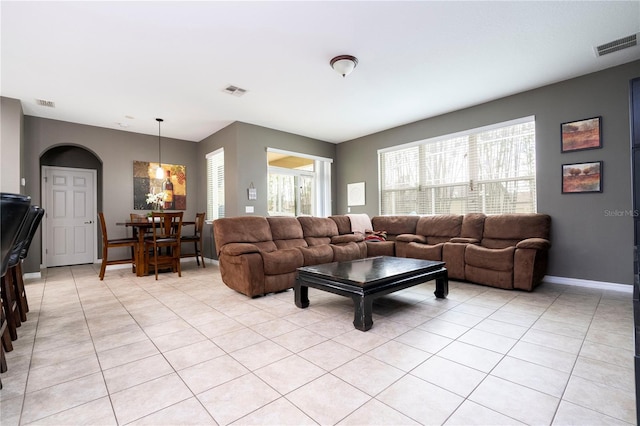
pixel 71 188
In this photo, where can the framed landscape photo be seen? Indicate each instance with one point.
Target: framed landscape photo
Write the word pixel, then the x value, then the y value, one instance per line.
pixel 581 134
pixel 579 178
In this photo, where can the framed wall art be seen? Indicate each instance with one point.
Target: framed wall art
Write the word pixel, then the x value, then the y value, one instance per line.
pixel 582 177
pixel 168 193
pixel 581 134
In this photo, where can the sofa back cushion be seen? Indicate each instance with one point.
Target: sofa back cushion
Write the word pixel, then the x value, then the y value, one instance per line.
pixel 343 223
pixel 318 230
pixel 473 225
pixel 243 229
pixel 507 230
pixel 395 225
pixel 286 232
pixel 439 228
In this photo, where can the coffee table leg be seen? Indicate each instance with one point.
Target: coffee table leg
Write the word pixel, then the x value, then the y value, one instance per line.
pixel 301 295
pixel 442 285
pixel 363 307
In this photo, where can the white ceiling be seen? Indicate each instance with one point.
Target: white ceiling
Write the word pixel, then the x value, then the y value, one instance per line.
pixel 105 63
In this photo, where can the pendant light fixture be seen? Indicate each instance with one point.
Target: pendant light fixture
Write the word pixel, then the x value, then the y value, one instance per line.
pixel 159 171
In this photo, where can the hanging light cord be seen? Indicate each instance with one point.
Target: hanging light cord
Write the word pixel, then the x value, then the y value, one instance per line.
pixel 159 120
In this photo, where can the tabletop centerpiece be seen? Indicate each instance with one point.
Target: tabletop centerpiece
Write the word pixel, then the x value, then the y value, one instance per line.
pixel 157 201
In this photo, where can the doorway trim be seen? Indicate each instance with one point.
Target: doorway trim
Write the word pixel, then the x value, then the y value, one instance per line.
pixel 44 197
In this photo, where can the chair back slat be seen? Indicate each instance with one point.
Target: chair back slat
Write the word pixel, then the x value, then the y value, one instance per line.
pixel 168 225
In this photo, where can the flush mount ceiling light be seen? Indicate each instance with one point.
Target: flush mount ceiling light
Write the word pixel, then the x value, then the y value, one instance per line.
pixel 159 172
pixel 344 64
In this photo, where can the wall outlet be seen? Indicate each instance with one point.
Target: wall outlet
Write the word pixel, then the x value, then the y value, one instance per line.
pixel 248 209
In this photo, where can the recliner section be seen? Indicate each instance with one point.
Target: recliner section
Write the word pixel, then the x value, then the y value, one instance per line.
pixel 259 255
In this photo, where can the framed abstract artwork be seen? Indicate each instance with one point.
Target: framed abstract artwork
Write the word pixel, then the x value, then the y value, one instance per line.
pixel 582 177
pixel 581 134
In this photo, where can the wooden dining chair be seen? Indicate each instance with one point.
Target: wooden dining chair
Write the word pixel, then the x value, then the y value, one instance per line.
pixel 162 249
pixel 196 239
pixel 112 244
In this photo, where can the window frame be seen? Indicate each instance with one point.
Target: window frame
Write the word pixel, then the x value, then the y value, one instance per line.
pixel 321 200
pixel 213 200
pixel 471 170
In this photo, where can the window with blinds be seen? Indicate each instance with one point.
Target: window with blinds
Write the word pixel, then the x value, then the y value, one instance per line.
pixel 298 184
pixel 490 170
pixel 215 184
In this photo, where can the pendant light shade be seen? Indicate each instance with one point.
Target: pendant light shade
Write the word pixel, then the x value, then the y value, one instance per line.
pixel 344 64
pixel 159 171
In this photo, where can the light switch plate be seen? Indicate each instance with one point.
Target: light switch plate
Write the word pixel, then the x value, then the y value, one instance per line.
pixel 248 209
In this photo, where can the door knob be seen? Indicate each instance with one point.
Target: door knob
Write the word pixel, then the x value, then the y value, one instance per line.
pixel 87 223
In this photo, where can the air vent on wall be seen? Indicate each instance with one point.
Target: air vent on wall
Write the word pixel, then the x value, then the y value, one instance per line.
pixel 235 91
pixel 614 46
pixel 49 104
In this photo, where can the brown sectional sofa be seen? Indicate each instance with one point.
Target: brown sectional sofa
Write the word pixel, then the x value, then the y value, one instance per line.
pixel 260 255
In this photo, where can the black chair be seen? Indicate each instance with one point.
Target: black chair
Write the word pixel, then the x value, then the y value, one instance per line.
pixel 13 210
pixel 19 253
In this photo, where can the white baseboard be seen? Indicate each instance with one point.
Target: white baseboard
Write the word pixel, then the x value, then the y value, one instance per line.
pixel 601 285
pixel 34 275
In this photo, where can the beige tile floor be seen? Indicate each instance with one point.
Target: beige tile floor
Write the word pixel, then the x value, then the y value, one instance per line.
pixel 189 350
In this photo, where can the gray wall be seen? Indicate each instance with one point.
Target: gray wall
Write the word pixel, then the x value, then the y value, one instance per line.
pixel 245 161
pixel 592 234
pixel 116 150
pixel 11 144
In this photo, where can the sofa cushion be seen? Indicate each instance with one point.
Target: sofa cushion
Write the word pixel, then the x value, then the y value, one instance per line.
pixel 344 252
pixel 241 229
pixel 343 223
pixel 285 228
pixel 486 258
pixel 395 225
pixel 286 232
pixel 516 226
pixel 282 261
pixel 473 226
pixel 424 251
pixel 317 255
pixel 439 228
pixel 318 230
pixel 381 248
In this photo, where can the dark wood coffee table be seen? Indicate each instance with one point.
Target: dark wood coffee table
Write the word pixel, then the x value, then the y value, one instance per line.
pixel 365 279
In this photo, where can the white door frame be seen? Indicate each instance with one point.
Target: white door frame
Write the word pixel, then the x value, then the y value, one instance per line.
pixel 44 197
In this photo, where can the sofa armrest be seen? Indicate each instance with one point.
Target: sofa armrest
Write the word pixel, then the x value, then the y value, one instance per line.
pixel 347 238
pixel 534 243
pixel 412 238
pixel 464 240
pixel 237 249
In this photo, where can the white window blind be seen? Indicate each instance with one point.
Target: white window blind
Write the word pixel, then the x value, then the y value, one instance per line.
pixel 215 184
pixel 490 170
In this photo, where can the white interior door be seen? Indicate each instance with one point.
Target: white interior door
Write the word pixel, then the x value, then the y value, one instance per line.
pixel 69 198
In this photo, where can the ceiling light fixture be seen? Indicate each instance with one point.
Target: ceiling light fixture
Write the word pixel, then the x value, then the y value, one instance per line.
pixel 159 172
pixel 344 64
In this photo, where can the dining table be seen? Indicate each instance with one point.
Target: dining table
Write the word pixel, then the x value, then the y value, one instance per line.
pixel 140 228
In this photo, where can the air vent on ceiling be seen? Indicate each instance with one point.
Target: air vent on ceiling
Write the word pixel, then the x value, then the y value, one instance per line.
pixel 49 104
pixel 614 46
pixel 235 91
